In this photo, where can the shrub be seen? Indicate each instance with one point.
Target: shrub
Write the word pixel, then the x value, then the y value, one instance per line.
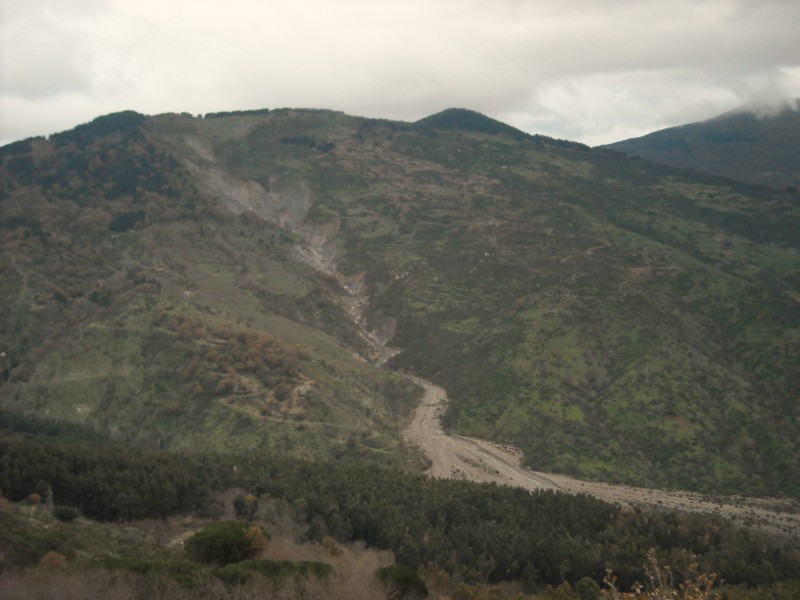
pixel 221 543
pixel 65 513
pixel 257 538
pixel 402 583
pixel 245 506
pixel 661 584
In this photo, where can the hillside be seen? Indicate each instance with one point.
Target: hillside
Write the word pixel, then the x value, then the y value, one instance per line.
pixel 746 144
pixel 146 311
pixel 233 281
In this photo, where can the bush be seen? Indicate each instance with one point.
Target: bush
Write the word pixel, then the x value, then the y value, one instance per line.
pixel 221 543
pixel 245 506
pixel 402 583
pixel 65 513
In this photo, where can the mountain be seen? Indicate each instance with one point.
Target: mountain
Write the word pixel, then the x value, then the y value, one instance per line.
pixel 262 280
pixel 752 144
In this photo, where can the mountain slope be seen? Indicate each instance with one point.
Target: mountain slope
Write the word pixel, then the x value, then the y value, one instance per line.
pixel 758 148
pixel 138 308
pixel 614 319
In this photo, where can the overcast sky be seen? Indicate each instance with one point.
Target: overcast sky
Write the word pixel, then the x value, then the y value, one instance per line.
pixel 594 71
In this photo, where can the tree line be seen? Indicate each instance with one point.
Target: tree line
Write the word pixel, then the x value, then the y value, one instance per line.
pixel 477 533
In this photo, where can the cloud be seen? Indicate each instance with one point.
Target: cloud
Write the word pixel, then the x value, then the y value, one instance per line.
pixel 39 60
pixel 593 71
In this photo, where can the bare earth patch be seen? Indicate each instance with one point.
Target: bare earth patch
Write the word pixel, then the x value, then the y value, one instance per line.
pixel 460 457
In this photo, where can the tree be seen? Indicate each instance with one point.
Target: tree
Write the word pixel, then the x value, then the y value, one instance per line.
pixel 402 583
pixel 65 513
pixel 258 539
pixel 245 506
pixel 587 589
pixel 221 543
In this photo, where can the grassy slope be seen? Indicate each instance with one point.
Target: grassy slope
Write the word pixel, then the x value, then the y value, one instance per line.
pixel 613 318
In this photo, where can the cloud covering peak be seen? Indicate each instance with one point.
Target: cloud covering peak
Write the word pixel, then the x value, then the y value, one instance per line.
pixel 592 71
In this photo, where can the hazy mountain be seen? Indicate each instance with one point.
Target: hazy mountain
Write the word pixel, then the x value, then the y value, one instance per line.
pixel 755 144
pixel 240 280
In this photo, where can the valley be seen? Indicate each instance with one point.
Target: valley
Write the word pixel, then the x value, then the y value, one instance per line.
pixel 460 457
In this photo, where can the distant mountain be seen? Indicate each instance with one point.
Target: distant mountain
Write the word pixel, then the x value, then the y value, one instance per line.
pixel 262 279
pixel 749 144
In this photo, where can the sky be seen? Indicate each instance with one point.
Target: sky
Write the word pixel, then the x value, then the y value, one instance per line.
pixel 594 71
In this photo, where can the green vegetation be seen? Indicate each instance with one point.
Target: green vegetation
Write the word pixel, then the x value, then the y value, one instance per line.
pixel 65 513
pixel 93 558
pixel 474 533
pixel 613 318
pixel 402 583
pixel 224 543
pixel 121 315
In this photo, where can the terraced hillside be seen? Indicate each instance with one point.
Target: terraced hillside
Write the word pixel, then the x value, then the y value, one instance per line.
pixel 237 279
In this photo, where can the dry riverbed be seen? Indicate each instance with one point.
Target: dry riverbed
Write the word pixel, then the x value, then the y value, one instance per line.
pixel 459 457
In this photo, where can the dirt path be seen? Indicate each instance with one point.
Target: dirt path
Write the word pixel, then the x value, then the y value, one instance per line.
pixel 460 457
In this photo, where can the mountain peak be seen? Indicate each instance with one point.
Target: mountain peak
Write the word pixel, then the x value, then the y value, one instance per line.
pixel 467 120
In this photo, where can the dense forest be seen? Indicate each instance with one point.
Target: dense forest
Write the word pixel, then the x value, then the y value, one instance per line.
pixel 475 533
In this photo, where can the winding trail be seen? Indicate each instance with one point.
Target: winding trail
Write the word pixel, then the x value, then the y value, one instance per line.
pixel 461 457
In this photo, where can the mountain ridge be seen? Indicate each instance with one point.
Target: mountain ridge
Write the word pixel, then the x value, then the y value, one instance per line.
pixel 756 144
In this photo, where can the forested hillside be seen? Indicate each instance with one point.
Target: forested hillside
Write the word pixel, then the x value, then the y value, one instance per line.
pixel 106 245
pixel 756 144
pixel 177 280
pixel 197 308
